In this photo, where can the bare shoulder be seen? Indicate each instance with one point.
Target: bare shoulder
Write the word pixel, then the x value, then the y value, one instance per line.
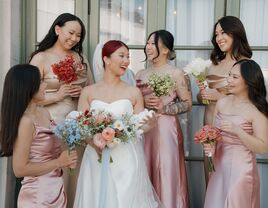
pixel 256 115
pixel 26 124
pixel 39 59
pixel 134 90
pixel 88 89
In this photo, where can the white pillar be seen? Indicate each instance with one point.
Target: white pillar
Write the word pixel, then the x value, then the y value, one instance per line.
pixel 5 37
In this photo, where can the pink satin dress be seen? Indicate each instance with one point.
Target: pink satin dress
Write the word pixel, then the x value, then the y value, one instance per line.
pixel 164 155
pixel 235 183
pixel 45 190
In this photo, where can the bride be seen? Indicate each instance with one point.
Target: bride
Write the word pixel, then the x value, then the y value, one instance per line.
pixel 126 184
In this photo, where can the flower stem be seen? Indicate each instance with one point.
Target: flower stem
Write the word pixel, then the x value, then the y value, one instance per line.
pixel 210 165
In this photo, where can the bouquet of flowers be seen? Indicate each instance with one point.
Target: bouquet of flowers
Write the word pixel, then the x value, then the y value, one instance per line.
pixel 66 69
pixel 208 135
pixel 197 68
pixel 69 132
pixel 161 85
pixel 105 130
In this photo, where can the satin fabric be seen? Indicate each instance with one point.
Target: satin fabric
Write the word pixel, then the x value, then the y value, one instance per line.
pixel 128 184
pixel 45 190
pixel 60 109
pixel 216 77
pixel 164 154
pixel 235 184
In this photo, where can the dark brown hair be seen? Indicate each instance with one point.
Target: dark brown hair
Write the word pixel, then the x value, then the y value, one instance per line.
pixel 234 28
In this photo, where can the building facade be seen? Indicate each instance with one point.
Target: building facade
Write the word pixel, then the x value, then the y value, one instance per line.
pixel 25 22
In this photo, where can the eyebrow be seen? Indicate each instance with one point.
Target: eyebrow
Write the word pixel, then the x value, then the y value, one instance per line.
pixel 72 30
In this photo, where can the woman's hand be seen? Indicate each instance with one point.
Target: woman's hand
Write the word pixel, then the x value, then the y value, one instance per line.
pixel 210 94
pixel 200 85
pixel 154 102
pixel 229 126
pixel 75 90
pixel 209 149
pixel 149 122
pixel 67 159
pixel 63 91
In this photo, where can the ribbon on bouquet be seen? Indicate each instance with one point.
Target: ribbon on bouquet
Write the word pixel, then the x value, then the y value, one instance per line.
pixel 105 158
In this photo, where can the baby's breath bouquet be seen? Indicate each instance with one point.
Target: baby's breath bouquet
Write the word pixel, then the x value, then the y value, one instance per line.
pixel 197 68
pixel 161 84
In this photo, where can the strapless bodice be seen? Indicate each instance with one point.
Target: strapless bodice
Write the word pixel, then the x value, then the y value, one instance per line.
pixel 116 108
pixel 229 138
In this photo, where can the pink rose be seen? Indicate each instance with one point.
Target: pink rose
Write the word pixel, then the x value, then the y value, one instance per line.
pixel 99 141
pixel 108 134
pixel 200 136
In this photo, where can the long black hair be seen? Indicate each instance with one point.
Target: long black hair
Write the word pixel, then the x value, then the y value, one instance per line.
pixel 21 83
pixel 168 41
pixel 252 74
pixel 234 28
pixel 51 37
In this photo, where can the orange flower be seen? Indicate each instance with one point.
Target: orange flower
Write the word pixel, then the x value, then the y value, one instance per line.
pixel 65 70
pixel 108 134
pixel 206 134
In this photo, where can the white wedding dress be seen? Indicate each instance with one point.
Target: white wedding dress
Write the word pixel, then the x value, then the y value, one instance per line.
pixel 128 184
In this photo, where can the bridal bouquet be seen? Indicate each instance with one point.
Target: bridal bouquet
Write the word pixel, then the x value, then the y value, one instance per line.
pixel 161 84
pixel 66 69
pixel 197 68
pixel 208 135
pixel 106 130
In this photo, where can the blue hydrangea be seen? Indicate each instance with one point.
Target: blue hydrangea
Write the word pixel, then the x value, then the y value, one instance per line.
pixel 69 131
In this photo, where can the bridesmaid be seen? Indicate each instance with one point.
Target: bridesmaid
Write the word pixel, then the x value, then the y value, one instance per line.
pixel 243 120
pixel 164 143
pixel 26 135
pixel 230 45
pixel 65 37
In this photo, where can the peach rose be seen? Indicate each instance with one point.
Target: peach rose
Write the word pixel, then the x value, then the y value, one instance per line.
pixel 108 134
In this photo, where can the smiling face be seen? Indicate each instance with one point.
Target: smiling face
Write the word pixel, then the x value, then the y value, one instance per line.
pixel 236 82
pixel 224 41
pixel 151 50
pixel 118 61
pixel 69 34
